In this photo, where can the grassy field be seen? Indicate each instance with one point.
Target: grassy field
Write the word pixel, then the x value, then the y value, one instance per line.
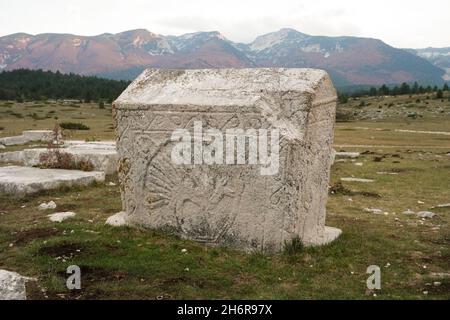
pixel 411 170
pixel 16 117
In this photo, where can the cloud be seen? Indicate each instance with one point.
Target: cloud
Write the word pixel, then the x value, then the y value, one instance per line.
pixel 417 23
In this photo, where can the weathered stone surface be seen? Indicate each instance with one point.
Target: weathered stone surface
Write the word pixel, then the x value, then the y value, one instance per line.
pixel 102 155
pixel 26 180
pixel 343 154
pixel 425 214
pixel 117 220
pixel 12 286
pixel 351 179
pixel 228 204
pixel 47 205
pixel 28 136
pixel 15 157
pixel 61 216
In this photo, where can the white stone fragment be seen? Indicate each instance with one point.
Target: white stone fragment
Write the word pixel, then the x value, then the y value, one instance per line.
pixel 12 285
pixel 25 180
pixel 444 205
pixel 425 214
pixel 47 206
pixel 373 210
pixel 351 155
pixel 61 216
pixel 117 220
pixel 351 179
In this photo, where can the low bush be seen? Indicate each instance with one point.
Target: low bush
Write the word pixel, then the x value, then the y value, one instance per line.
pixel 74 126
pixel 57 159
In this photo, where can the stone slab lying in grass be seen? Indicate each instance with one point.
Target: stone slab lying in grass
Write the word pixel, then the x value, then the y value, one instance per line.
pixel 28 136
pixel 25 180
pixel 347 154
pixel 61 216
pixel 101 154
pixel 351 179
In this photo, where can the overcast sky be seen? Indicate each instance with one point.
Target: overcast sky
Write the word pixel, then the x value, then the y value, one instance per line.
pixel 401 23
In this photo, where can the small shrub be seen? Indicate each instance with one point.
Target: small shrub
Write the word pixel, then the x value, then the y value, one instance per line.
pixel 35 116
pixel 101 105
pixel 17 115
pixel 85 165
pixel 57 159
pixel 2 128
pixel 74 126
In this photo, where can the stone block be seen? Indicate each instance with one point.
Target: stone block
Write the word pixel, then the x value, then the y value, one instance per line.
pixel 243 205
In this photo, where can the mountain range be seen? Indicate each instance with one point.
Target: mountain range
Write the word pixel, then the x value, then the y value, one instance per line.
pixel 349 60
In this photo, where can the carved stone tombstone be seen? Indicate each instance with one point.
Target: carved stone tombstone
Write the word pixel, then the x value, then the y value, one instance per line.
pixel 251 203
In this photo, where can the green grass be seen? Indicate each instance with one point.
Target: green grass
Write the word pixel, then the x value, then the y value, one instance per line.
pixel 16 117
pixel 133 263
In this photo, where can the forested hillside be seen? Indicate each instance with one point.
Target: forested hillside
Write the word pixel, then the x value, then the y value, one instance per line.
pixel 38 85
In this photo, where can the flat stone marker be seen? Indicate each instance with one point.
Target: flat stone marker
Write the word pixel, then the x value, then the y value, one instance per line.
pixel 25 180
pixel 253 203
pixel 102 155
pixel 28 136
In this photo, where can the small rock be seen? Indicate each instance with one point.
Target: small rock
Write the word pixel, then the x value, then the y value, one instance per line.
pixel 111 184
pixel 408 212
pixel 425 292
pixel 425 214
pixel 359 164
pixel 347 155
pixel 2 146
pixel 420 202
pixel 436 283
pixel 389 173
pixel 183 250
pixel 47 206
pixel 444 205
pixel 61 216
pixel 373 210
pixel 117 220
pixel 12 285
pixel 356 180
pixel 440 275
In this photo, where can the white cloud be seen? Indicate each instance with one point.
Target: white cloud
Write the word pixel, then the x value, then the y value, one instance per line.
pixel 415 23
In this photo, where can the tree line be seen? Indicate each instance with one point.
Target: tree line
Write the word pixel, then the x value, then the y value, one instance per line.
pixel 25 84
pixel 404 88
